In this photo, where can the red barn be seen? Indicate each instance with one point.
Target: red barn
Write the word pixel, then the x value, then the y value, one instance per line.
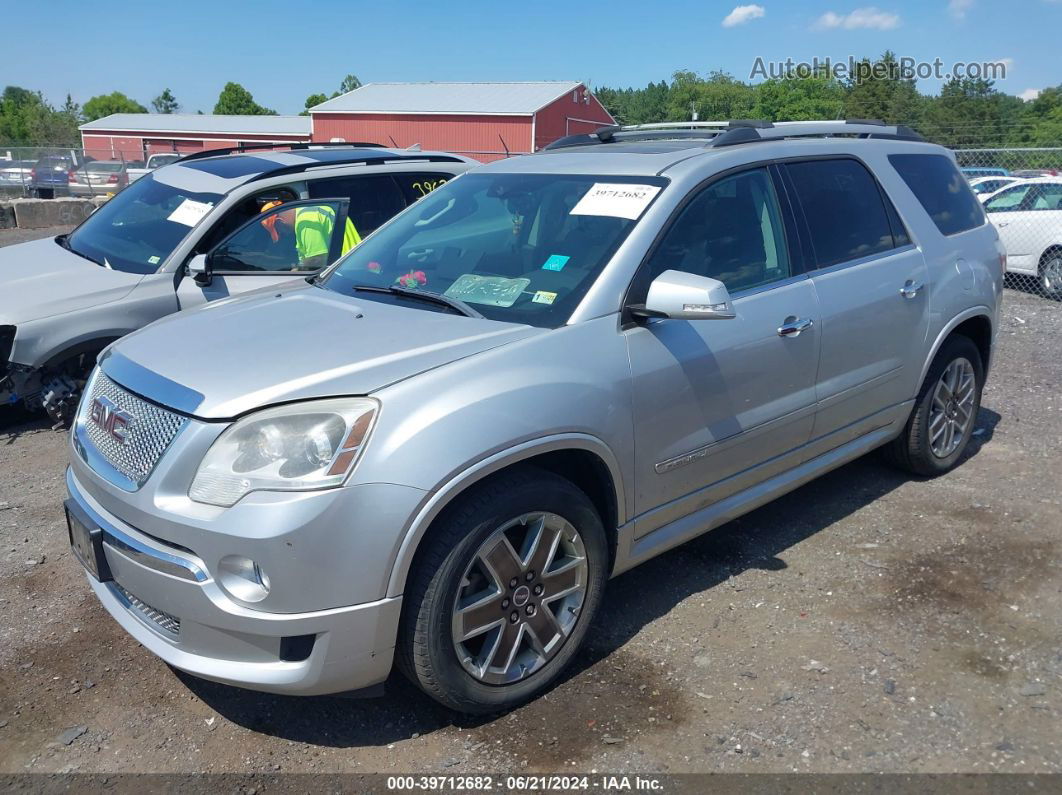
pixel 133 136
pixel 486 121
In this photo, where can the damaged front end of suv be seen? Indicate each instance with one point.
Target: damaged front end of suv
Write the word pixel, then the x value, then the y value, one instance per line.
pixel 53 387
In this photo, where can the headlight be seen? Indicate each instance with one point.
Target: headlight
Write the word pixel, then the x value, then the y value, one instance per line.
pixel 311 445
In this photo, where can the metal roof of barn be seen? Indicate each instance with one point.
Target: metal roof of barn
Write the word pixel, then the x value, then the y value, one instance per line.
pixel 495 99
pixel 201 123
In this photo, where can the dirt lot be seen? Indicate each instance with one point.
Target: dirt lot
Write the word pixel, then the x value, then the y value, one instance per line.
pixel 867 622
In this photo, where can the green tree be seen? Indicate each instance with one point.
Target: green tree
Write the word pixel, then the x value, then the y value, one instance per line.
pixel 17 107
pixel 799 97
pixel 718 97
pixel 1042 120
pixel 350 82
pixel 878 90
pixel 972 113
pixel 313 99
pixel 26 119
pixel 166 102
pixel 106 104
pixel 235 100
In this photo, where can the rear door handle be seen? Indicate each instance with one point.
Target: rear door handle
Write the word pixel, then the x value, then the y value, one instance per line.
pixel 911 289
pixel 792 326
pixel 1001 224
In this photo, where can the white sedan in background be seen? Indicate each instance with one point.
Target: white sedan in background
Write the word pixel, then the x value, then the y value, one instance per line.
pixel 983 187
pixel 1028 216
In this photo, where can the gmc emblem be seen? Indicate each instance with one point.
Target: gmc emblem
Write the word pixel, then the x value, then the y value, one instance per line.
pixel 113 421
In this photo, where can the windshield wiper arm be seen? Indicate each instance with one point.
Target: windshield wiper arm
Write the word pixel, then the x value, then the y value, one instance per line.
pixel 421 295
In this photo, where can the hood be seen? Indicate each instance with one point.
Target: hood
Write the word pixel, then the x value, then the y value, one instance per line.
pixel 41 278
pixel 292 343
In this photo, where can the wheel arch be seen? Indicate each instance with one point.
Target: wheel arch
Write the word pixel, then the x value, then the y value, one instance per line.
pixel 583 459
pixel 974 323
pixel 90 345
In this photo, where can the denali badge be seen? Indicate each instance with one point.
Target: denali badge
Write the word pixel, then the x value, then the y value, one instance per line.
pixel 111 419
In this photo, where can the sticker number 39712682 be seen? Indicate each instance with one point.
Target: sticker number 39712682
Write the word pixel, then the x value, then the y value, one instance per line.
pixel 617 200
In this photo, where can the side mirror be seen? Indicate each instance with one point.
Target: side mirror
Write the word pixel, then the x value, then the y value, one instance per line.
pixel 686 296
pixel 199 269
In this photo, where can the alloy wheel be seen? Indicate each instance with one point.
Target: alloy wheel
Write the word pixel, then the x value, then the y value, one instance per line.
pixel 519 598
pixel 1051 276
pixel 953 406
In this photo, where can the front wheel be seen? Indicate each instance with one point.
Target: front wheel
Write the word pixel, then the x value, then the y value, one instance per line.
pixel 944 413
pixel 502 595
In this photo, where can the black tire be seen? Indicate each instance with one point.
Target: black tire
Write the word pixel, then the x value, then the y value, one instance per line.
pixel 426 652
pixel 911 450
pixel 1050 275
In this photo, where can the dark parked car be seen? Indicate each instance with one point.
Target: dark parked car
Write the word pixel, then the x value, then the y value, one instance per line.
pixel 51 176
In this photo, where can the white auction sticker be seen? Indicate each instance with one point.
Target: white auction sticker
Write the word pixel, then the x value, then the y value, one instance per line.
pixel 190 212
pixel 616 199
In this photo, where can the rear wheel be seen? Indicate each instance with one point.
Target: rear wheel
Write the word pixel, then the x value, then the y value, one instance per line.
pixel 945 411
pixel 501 596
pixel 1051 274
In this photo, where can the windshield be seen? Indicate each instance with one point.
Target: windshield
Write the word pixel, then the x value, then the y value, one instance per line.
pixel 141 226
pixel 522 248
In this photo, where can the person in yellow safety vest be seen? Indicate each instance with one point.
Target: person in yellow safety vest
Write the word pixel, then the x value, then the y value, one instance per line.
pixel 313 227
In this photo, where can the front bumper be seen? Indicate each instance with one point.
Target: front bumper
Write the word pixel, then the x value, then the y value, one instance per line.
pixel 165 597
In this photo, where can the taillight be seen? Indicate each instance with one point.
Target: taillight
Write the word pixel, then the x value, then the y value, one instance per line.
pixel 1003 263
pixel 112 179
pixel 71 176
pixel 33 174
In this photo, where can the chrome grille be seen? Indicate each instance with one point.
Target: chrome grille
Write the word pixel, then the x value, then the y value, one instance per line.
pixel 159 619
pixel 150 430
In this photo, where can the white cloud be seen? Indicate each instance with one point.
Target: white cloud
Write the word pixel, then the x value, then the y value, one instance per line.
pixel 742 14
pixel 1029 94
pixel 958 8
pixel 869 17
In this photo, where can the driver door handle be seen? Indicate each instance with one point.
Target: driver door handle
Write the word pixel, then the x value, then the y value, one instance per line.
pixel 792 326
pixel 911 289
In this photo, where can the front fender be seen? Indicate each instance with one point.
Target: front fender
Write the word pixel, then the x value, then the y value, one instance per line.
pixel 474 472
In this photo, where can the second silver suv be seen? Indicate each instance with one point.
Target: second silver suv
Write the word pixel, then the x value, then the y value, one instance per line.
pixel 547 371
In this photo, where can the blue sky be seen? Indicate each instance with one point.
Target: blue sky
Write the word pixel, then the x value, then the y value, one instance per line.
pixel 283 51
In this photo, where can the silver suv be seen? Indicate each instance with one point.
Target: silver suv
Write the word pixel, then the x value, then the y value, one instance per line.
pixel 185 234
pixel 549 370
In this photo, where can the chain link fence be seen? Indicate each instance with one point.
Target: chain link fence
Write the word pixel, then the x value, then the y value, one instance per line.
pixel 47 172
pixel 1021 190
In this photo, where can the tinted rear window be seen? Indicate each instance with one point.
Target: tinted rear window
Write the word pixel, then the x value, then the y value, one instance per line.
pixel 843 209
pixel 941 190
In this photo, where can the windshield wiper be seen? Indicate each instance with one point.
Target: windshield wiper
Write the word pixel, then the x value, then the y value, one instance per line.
pixel 65 243
pixel 428 297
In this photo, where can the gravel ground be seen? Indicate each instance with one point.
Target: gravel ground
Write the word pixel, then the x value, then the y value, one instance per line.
pixel 866 622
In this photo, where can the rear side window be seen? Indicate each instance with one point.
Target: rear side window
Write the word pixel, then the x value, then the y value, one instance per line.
pixel 373 199
pixel 843 208
pixel 942 191
pixel 416 185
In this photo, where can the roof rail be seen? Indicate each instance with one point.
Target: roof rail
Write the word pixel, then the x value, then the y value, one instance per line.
pixel 658 131
pixel 248 147
pixel 737 131
pixel 861 128
pixel 365 158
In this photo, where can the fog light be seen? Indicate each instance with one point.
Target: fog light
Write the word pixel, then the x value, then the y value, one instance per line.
pixel 243 578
